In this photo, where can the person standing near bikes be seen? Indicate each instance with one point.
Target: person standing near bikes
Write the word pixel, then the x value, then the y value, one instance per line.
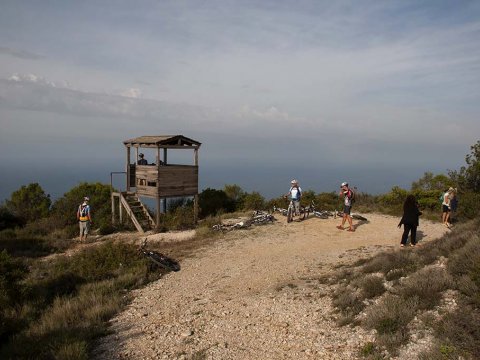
pixel 348 195
pixel 295 193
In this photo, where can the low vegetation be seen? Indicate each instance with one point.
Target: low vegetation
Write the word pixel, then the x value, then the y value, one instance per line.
pixel 389 290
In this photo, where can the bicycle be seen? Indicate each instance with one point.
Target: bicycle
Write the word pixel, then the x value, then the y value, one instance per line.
pixel 323 214
pixel 230 227
pixel 260 217
pixel 159 259
pixel 353 216
pixel 291 212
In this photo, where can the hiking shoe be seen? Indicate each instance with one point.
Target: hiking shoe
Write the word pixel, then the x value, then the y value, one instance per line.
pixel 351 230
pixel 402 245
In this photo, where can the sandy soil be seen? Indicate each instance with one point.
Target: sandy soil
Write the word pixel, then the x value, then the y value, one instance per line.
pixel 254 294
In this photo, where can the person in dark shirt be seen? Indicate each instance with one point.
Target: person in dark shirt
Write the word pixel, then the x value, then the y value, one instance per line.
pixel 142 161
pixel 410 220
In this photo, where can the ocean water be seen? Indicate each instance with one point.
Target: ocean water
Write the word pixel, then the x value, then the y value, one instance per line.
pixel 268 179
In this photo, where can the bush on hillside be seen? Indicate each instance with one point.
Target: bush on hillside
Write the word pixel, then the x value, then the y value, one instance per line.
pixel 430 182
pixel 235 193
pixel 8 220
pixel 65 208
pixel 253 201
pixel 213 202
pixel 29 203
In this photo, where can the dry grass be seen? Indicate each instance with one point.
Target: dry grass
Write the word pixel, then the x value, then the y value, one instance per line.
pixel 67 302
pixel 370 285
pixel 387 262
pixel 418 285
pixel 390 318
pixel 458 334
pixel 349 302
pixel 427 285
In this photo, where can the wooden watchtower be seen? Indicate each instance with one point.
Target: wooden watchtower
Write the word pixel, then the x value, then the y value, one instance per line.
pixel 158 180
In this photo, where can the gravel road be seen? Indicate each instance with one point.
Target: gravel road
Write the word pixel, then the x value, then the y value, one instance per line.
pixel 254 294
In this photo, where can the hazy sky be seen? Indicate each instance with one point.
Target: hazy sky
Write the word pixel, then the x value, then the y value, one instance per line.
pixel 372 92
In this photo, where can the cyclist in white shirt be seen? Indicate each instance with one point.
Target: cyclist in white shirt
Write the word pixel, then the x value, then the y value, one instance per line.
pixel 295 193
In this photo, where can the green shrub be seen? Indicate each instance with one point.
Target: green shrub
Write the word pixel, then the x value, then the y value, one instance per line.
pixel 12 271
pixel 8 220
pixel 27 247
pixel 64 210
pixel 181 218
pixel 100 262
pixel 29 203
pixel 253 201
pixel 213 202
pixel 106 229
pixel 66 301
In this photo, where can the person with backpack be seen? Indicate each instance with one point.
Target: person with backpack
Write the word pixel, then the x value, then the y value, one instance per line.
pixel 409 220
pixel 84 218
pixel 295 192
pixel 348 200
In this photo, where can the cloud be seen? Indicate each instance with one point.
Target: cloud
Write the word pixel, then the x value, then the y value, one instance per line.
pixel 20 54
pixel 134 93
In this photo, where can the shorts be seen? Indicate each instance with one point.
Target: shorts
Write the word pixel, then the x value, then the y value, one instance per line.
pixel 296 204
pixel 445 209
pixel 84 227
pixel 347 209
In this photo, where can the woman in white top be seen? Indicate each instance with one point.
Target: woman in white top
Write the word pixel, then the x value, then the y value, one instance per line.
pixel 447 196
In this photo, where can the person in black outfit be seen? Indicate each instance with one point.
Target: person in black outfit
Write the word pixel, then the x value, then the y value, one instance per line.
pixel 410 220
pixel 142 160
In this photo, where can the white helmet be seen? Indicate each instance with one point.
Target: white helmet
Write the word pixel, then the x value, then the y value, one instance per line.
pixel 86 198
pixel 344 184
pixel 294 182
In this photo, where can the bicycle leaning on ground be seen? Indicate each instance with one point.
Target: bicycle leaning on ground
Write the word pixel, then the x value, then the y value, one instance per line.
pixel 158 259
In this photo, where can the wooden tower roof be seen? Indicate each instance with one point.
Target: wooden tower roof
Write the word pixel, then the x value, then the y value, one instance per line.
pixel 163 141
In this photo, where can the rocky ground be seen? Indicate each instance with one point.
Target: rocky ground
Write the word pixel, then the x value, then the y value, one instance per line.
pixel 253 294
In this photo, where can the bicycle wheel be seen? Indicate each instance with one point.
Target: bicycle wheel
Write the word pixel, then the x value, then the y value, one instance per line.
pixel 359 217
pixel 303 212
pixel 320 215
pixel 290 214
pixel 164 261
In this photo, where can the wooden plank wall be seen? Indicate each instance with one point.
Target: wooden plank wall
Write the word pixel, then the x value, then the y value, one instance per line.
pixel 178 180
pixel 170 180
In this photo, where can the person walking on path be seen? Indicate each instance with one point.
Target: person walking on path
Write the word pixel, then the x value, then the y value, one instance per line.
pixel 84 218
pixel 409 221
pixel 348 195
pixel 446 207
pixel 295 192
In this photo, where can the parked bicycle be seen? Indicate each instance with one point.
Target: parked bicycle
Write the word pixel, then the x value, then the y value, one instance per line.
pixel 159 259
pixel 323 214
pixel 260 217
pixel 353 216
pixel 230 227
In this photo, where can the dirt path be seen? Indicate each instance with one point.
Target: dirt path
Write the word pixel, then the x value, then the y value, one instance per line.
pixel 254 294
